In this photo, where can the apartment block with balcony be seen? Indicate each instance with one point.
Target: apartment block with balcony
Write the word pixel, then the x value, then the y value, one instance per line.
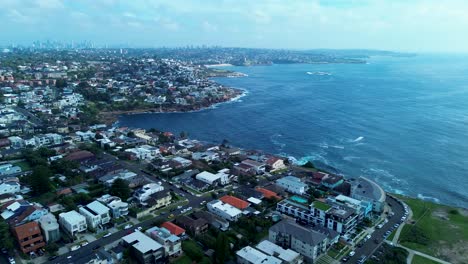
pixel 29 237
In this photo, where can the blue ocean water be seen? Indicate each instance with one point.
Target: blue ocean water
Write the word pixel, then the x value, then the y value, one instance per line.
pixel 400 121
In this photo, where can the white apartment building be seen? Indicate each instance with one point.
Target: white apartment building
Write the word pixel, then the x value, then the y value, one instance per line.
pixel 224 210
pixel 72 222
pixel 96 214
pixel 144 192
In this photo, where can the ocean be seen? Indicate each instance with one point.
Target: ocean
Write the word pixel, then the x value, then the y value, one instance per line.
pixel 400 121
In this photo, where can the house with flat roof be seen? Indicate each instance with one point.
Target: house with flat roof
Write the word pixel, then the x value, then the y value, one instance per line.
pixel 96 214
pixel 143 248
pixel 171 243
pixel 72 222
pixel 292 184
pixel 224 210
pixel 250 255
pixel 285 255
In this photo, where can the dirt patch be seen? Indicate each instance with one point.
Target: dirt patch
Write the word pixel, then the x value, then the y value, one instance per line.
pixel 440 214
pixel 456 254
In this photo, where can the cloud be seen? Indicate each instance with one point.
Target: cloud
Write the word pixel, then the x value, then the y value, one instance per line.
pixel 208 27
pixel 386 24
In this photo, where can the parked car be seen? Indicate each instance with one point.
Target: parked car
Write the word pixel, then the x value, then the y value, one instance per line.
pixel 107 235
pixel 128 226
pixel 11 260
pixel 352 253
pixel 75 247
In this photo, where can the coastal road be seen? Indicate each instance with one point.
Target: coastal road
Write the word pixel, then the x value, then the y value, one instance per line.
pixel 377 238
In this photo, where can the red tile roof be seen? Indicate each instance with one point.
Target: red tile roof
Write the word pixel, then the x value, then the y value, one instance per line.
pixel 173 228
pixel 268 194
pixel 234 201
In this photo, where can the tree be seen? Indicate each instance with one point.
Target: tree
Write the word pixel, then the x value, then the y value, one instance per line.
pixel 6 241
pixel 120 188
pixel 61 83
pixel 222 251
pixel 52 248
pixel 39 180
pixel 192 250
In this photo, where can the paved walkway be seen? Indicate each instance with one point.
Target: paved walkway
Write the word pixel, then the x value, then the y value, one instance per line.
pixel 414 252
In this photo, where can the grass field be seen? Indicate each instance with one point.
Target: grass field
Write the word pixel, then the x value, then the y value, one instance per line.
pixel 438 230
pixel 422 260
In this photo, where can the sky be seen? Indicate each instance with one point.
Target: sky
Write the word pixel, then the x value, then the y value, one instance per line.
pixel 399 25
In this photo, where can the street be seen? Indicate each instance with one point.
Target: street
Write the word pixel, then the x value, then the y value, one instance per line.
pixel 79 255
pixel 370 245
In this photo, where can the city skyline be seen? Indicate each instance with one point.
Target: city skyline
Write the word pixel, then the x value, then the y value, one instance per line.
pixel 416 26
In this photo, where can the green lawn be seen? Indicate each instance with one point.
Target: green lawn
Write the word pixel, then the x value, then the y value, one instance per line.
pixel 183 260
pixel 439 230
pixel 422 260
pixel 23 165
pixel 390 237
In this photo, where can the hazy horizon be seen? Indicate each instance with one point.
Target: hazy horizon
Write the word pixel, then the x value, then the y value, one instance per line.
pixel 415 26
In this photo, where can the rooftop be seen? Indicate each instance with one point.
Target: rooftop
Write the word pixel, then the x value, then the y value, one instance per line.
pixel 141 242
pixel 299 232
pixel 234 201
pixel 255 256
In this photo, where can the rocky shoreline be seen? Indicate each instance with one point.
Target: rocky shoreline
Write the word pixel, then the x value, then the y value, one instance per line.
pixel 110 117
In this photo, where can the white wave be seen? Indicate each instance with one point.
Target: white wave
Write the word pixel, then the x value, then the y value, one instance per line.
pixel 428 198
pixel 350 158
pixel 274 139
pixel 338 147
pixel 358 139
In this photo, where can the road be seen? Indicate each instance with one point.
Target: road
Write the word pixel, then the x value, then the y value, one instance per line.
pixel 370 245
pixel 78 256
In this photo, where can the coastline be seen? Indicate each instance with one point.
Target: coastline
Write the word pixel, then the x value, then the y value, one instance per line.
pixel 111 117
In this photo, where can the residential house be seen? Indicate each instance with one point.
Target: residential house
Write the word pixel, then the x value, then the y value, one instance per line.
pixel 9 187
pixel 18 212
pixel 224 210
pixel 96 214
pixel 293 184
pixel 146 191
pixel 50 228
pixel 275 164
pixel 268 252
pixel 72 222
pixel 195 225
pixel 144 249
pixel 9 169
pixel 115 204
pixel 174 229
pixel 171 243
pixel 234 201
pixel 29 237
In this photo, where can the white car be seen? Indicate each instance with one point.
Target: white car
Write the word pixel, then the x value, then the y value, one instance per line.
pixel 128 226
pixel 84 244
pixel 76 247
pixel 179 207
pixel 107 235
pixel 352 253
pixel 368 236
pixel 138 228
pixel 11 260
